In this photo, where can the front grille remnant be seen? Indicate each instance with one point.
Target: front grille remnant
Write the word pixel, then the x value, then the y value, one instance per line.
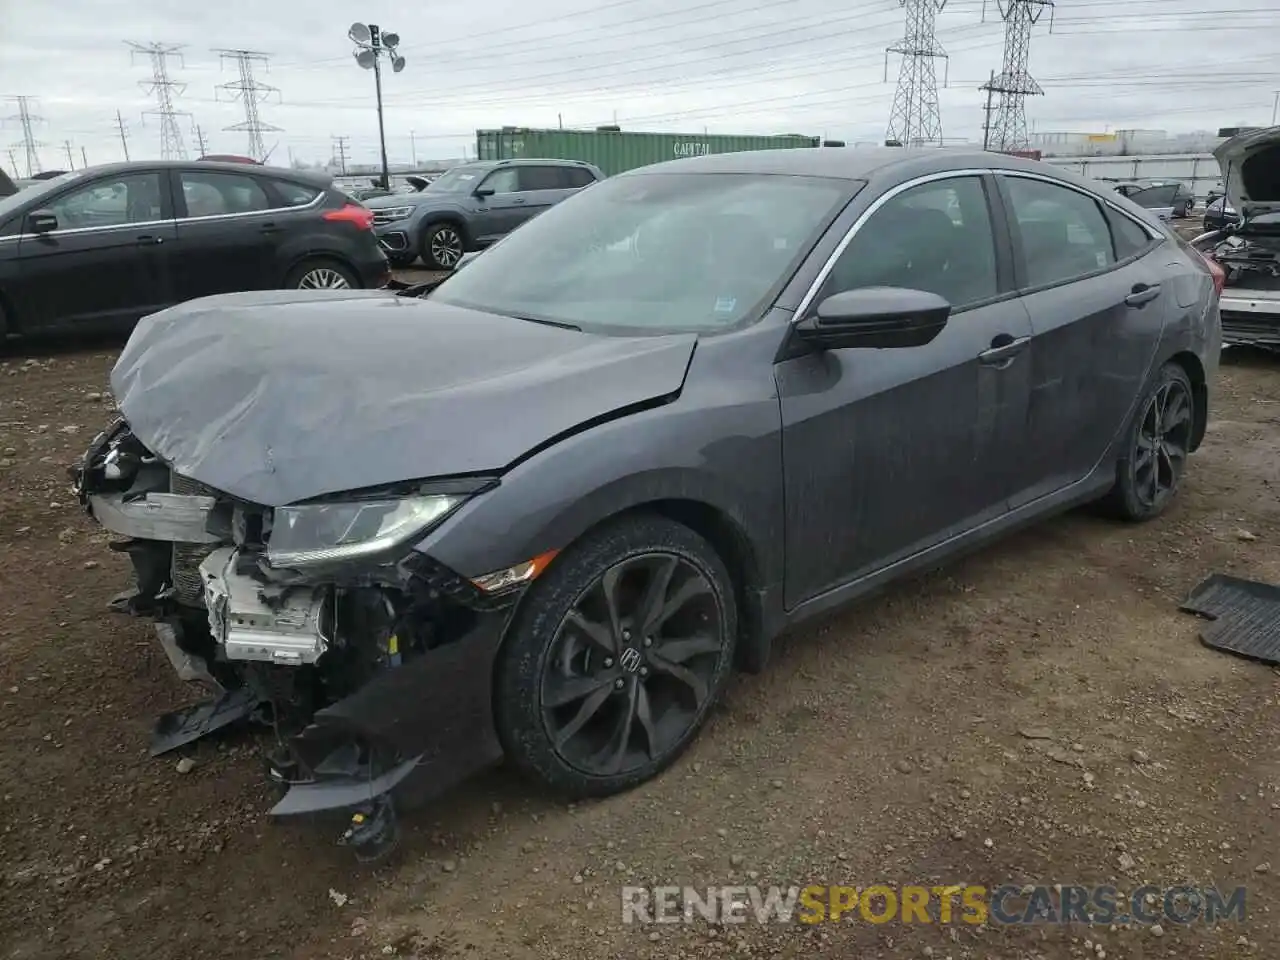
pixel 187 557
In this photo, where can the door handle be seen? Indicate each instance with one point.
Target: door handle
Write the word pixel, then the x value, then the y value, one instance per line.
pixel 270 228
pixel 147 240
pixel 516 201
pixel 1003 351
pixel 1142 293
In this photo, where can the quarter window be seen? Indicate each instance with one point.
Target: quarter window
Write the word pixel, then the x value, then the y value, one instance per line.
pixel 1129 238
pixel 935 237
pixel 294 194
pixel 1062 232
pixel 110 203
pixel 575 177
pixel 216 194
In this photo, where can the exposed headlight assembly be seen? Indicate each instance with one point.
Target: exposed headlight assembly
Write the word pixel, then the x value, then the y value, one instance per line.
pixel 394 213
pixel 320 533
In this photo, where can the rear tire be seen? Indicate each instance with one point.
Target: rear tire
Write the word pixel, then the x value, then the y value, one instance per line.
pixel 595 692
pixel 321 273
pixel 442 246
pixel 1156 447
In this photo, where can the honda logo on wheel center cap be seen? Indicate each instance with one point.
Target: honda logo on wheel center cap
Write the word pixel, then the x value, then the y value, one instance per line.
pixel 630 659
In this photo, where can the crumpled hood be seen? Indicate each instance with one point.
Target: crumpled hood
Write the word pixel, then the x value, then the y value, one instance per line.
pixel 284 396
pixel 1250 165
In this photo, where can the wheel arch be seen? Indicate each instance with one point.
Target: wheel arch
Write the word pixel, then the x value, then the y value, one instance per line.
pixel 450 217
pixel 1194 369
pixel 331 255
pixel 8 316
pixel 731 542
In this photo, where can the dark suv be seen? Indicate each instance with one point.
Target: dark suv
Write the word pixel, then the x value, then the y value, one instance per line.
pixel 471 206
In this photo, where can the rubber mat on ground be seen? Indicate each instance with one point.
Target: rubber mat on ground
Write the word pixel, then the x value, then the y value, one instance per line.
pixel 1244 616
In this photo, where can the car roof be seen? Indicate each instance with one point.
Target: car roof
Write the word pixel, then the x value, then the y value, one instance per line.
pixel 311 177
pixel 859 163
pixel 521 162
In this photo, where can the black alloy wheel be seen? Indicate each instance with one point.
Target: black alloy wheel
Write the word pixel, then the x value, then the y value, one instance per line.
pixel 1158 446
pixel 624 647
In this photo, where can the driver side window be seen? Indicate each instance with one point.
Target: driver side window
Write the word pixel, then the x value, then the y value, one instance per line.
pixel 503 181
pixel 935 237
pixel 110 203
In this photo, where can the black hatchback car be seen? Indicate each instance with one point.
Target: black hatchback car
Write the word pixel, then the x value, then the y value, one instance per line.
pixel 110 244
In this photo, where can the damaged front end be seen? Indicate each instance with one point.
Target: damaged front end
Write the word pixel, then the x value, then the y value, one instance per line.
pixel 1249 255
pixel 368 660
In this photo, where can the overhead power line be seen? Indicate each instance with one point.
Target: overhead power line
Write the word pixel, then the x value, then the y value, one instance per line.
pixel 250 92
pixel 164 90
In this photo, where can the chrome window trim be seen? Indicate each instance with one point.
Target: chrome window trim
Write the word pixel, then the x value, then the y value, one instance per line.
pixel 315 201
pixel 75 231
pixel 866 215
pixel 1106 202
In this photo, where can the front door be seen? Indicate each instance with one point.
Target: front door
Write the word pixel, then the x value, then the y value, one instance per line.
pixel 1091 282
pixel 889 452
pixel 106 262
pixel 227 234
pixel 497 214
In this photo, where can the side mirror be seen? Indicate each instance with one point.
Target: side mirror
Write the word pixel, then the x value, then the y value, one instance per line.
pixel 483 192
pixel 42 221
pixel 875 317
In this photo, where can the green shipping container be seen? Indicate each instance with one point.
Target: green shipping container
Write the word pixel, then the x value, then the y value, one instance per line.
pixel 615 151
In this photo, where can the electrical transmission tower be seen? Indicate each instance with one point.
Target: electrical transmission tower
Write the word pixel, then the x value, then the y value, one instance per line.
pixel 164 90
pixel 27 120
pixel 1007 126
pixel 250 92
pixel 200 141
pixel 916 117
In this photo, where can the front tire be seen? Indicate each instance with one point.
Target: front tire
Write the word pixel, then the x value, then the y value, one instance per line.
pixel 321 274
pixel 619 653
pixel 1157 444
pixel 442 246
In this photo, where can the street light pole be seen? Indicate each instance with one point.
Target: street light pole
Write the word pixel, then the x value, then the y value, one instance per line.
pixel 371 45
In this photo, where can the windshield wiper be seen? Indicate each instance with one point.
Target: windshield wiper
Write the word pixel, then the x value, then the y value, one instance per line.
pixel 546 323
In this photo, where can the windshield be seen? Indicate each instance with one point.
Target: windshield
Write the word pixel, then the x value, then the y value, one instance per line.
pixel 37 190
pixel 654 253
pixel 457 180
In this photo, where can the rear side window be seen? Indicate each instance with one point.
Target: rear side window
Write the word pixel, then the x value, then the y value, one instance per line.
pixel 294 194
pixel 1129 238
pixel 541 178
pixel 217 194
pixel 576 177
pixel 1062 232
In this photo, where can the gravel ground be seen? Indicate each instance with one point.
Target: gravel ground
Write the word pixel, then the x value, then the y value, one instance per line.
pixel 1040 712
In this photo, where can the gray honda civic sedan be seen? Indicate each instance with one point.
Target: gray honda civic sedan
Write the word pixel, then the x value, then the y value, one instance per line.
pixel 545 509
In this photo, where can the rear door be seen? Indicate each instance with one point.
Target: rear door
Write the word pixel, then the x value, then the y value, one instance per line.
pixel 226 233
pixel 542 187
pixel 107 260
pixel 1091 278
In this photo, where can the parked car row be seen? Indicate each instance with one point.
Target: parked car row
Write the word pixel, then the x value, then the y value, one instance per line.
pixel 109 244
pixel 546 509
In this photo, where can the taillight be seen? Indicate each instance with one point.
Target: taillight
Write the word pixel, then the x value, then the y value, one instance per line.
pixel 362 217
pixel 1215 270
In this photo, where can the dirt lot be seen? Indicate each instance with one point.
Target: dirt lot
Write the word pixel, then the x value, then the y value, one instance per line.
pixel 887 744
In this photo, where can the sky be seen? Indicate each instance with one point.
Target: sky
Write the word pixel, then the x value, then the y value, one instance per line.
pixel 815 67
